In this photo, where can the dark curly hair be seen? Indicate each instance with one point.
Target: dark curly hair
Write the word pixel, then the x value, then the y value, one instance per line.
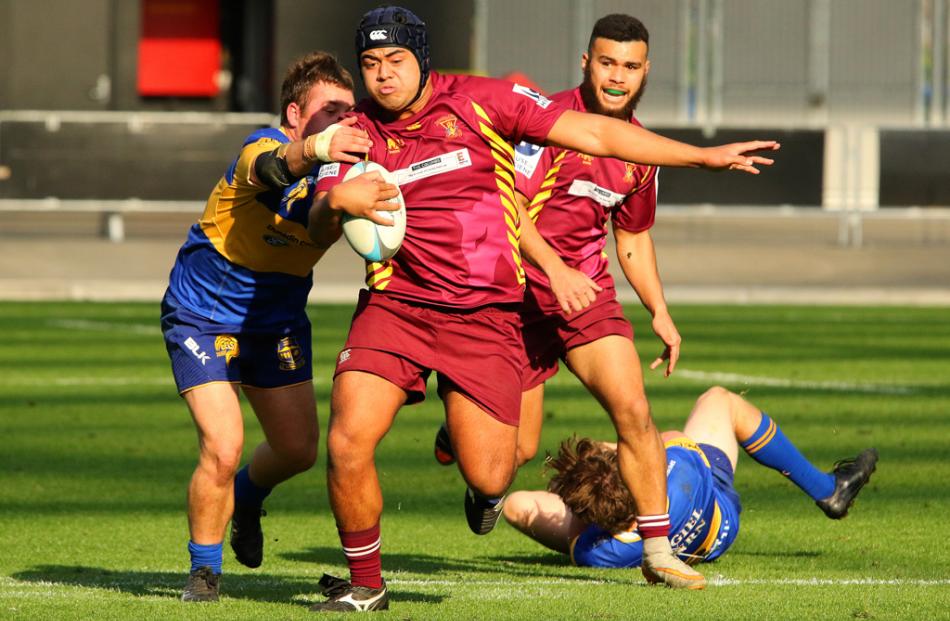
pixel 587 479
pixel 619 27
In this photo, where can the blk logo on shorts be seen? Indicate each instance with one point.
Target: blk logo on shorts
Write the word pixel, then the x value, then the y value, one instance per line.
pixel 195 349
pixel 344 356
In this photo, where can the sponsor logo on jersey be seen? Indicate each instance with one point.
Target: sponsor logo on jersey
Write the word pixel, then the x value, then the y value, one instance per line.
pixel 289 354
pixel 586 160
pixel 450 124
pixel 438 165
pixel 227 346
pixel 538 98
pixel 393 145
pixel 527 156
pixel 378 35
pixel 588 189
pixel 195 349
pixel 276 242
pixel 328 170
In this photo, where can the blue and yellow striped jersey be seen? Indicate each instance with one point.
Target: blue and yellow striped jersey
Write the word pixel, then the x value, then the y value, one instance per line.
pixel 247 263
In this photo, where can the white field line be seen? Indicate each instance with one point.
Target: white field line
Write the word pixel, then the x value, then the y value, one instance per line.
pixel 688 374
pixel 757 380
pixel 10 587
pixel 105 326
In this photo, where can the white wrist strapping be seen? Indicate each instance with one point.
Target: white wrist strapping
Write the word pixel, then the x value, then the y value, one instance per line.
pixel 321 143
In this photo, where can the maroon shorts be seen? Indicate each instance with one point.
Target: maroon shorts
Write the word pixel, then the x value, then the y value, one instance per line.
pixel 478 352
pixel 549 336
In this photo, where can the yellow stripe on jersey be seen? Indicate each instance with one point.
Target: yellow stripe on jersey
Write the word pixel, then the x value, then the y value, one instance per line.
pixel 643 179
pixel 550 178
pixel 502 161
pixel 686 443
pixel 627 536
pixel 481 112
pixel 504 155
pixel 706 546
pixel 765 439
pixel 378 274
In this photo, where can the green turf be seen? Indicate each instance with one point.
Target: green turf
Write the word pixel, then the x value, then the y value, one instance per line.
pixel 97 450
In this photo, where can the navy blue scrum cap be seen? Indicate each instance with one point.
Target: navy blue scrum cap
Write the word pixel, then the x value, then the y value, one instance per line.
pixel 394 26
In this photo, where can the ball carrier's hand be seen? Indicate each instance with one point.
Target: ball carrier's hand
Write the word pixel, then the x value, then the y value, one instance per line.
pixel 364 196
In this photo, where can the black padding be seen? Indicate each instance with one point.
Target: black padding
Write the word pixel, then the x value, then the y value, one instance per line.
pixel 272 170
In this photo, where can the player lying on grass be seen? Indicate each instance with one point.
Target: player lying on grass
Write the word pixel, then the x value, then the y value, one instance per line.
pixel 448 300
pixel 588 513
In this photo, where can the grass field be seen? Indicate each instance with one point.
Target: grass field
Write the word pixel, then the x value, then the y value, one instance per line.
pixel 97 451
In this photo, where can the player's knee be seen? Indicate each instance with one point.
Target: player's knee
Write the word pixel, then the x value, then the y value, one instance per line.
pixel 490 481
pixel 526 452
pixel 716 394
pixel 346 449
pixel 221 461
pixel 302 455
pixel 633 417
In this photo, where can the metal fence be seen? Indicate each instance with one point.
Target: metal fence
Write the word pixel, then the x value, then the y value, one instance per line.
pixel 740 62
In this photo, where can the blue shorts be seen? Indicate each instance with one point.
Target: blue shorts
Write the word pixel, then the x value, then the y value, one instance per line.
pixel 202 353
pixel 726 497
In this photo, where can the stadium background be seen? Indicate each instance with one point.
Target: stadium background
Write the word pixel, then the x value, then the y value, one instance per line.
pixel 856 90
pixel 98 184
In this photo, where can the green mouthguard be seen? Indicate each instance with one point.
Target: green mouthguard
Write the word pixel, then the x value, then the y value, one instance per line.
pixel 613 91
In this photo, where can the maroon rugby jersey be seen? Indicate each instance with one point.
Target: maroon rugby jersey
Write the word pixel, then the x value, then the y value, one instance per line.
pixel 573 195
pixel 455 166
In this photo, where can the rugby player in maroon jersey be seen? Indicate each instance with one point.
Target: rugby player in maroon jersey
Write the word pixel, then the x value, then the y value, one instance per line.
pixel 449 300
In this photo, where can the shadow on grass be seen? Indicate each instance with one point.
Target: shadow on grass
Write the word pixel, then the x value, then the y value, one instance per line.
pixel 258 587
pixel 436 567
pixel 778 554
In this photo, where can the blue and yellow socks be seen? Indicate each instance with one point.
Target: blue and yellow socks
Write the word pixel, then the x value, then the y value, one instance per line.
pixel 769 446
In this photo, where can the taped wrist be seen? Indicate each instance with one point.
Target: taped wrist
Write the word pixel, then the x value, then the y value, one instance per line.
pixel 272 170
pixel 317 146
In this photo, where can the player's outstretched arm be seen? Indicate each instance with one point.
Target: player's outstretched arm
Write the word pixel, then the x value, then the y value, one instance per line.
pixel 291 161
pixel 599 135
pixel 361 196
pixel 637 256
pixel 573 289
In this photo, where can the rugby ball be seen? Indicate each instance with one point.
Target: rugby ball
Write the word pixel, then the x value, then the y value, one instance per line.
pixel 371 241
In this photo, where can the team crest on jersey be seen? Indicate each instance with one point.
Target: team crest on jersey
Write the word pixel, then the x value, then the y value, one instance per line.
pixel 628 172
pixel 450 124
pixel 394 145
pixel 227 346
pixel 289 354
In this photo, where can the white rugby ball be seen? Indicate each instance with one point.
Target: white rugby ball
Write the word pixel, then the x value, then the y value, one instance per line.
pixel 372 241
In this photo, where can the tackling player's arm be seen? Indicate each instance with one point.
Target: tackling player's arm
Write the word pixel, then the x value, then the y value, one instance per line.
pixel 573 289
pixel 361 196
pixel 637 257
pixel 291 161
pixel 599 135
